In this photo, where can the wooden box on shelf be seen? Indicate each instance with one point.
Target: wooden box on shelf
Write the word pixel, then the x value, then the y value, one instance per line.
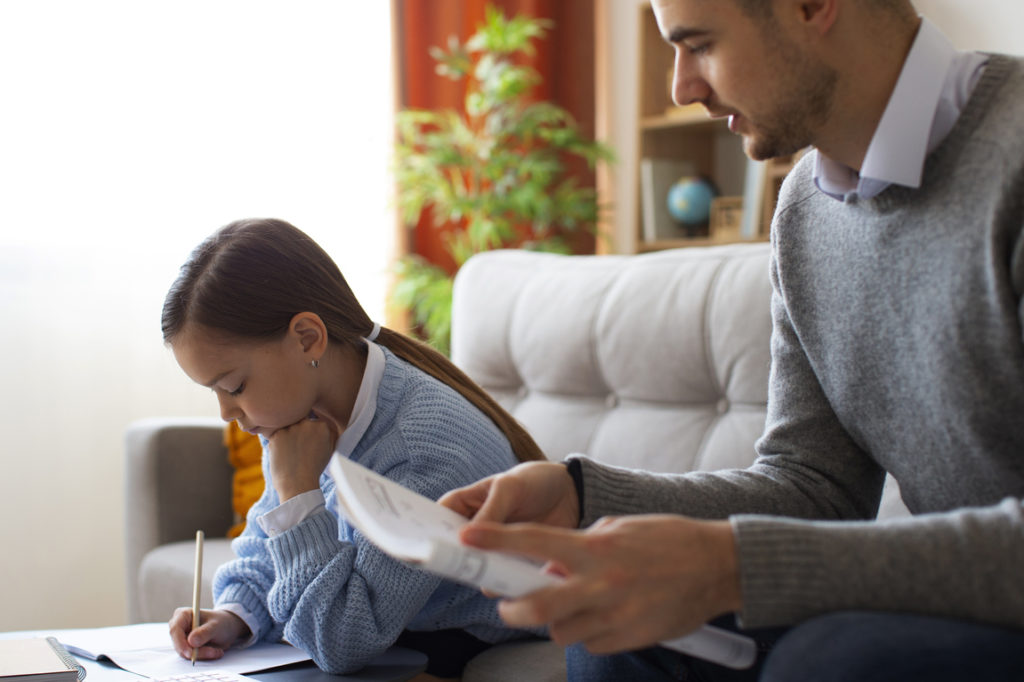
pixel 726 219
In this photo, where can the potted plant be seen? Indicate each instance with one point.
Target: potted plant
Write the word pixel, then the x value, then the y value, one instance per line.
pixel 493 175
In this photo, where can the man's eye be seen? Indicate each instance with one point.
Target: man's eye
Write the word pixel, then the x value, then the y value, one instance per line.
pixel 237 391
pixel 703 48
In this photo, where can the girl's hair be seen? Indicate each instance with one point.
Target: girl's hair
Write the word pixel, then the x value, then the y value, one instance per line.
pixel 250 278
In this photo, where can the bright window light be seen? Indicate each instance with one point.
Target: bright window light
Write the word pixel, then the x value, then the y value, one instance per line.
pixel 129 131
pixel 134 128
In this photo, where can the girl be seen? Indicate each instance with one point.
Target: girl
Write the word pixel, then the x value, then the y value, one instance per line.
pixel 262 316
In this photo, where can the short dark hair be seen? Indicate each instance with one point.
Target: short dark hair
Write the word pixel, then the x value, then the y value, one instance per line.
pixel 762 10
pixel 756 9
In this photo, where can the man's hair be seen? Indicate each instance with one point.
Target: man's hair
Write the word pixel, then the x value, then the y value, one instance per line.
pixel 762 10
pixel 756 9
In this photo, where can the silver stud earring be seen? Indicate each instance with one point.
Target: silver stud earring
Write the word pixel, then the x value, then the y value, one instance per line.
pixel 314 364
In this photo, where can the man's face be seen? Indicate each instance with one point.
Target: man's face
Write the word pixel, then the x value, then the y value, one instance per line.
pixel 775 93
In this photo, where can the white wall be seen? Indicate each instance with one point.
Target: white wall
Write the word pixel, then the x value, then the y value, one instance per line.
pixel 992 25
pixel 128 132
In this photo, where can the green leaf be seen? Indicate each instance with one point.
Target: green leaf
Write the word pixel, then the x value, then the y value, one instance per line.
pixel 491 171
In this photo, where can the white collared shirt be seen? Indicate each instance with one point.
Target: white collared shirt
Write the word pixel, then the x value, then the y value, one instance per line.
pixel 933 87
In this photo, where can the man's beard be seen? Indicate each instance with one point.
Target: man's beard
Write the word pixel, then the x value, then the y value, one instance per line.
pixel 803 104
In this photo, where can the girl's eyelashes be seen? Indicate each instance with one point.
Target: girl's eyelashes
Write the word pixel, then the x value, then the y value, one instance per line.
pixel 237 391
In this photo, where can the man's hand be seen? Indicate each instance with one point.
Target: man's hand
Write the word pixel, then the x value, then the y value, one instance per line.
pixel 298 456
pixel 540 492
pixel 630 582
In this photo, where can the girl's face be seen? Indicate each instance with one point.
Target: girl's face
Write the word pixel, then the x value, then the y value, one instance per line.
pixel 263 385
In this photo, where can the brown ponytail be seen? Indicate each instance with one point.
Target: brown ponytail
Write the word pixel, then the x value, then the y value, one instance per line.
pixel 250 278
pixel 444 370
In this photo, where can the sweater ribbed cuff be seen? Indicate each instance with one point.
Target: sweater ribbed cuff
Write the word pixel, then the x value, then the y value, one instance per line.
pixel 783 572
pixel 606 484
pixel 252 604
pixel 306 546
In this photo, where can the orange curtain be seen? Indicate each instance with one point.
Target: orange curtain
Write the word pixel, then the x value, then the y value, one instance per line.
pixel 564 59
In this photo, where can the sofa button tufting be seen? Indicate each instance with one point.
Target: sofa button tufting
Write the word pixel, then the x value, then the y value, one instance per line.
pixel 722 406
pixel 611 401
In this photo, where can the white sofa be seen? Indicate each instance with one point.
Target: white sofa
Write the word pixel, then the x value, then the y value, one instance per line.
pixel 657 361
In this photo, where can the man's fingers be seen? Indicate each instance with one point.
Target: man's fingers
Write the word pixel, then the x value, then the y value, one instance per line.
pixel 564 603
pixel 465 501
pixel 496 505
pixel 539 542
pixel 481 501
pixel 581 627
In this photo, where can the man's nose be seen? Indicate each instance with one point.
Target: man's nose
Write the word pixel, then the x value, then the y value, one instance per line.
pixel 688 86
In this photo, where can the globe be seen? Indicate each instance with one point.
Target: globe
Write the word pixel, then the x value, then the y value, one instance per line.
pixel 689 200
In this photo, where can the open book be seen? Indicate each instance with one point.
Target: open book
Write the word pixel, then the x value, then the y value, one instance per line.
pixel 416 530
pixel 145 649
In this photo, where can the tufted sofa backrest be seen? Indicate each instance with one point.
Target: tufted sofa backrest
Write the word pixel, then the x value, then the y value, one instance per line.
pixel 656 361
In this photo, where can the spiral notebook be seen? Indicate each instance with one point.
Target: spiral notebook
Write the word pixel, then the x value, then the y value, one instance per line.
pixel 40 659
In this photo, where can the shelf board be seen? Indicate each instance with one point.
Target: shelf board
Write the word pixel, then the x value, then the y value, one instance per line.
pixel 692 241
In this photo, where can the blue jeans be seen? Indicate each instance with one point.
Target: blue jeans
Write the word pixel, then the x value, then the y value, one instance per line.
pixel 840 647
pixel 659 664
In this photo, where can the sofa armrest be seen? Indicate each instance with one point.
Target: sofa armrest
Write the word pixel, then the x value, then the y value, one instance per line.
pixel 177 481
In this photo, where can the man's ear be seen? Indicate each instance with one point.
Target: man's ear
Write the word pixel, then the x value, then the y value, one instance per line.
pixel 819 15
pixel 311 333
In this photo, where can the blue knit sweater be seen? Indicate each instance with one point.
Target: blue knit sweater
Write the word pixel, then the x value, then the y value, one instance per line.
pixel 322 586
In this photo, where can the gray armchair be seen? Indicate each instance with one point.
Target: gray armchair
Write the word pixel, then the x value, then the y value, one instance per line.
pixel 177 481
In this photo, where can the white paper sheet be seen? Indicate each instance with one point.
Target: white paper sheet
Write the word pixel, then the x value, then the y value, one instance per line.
pixel 146 649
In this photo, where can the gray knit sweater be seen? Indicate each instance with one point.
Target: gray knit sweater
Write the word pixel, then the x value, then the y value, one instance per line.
pixel 897 347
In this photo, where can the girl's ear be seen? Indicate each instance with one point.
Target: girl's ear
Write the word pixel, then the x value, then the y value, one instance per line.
pixel 311 333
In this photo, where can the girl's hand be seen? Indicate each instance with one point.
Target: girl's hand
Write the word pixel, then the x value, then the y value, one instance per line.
pixel 218 631
pixel 299 454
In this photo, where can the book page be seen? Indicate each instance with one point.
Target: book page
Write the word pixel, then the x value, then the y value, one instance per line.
pixel 416 529
pixel 146 649
pixel 400 521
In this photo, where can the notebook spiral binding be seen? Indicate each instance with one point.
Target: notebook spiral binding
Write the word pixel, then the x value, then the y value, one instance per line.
pixel 64 656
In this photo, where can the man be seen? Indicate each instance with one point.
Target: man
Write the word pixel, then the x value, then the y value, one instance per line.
pixel 897 273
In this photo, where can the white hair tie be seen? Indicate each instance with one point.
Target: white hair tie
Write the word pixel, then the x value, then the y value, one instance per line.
pixel 373 334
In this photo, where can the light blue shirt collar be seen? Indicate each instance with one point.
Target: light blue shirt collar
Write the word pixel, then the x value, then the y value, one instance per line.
pixel 933 86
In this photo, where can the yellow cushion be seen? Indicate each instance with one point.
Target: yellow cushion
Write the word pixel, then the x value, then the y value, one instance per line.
pixel 244 453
